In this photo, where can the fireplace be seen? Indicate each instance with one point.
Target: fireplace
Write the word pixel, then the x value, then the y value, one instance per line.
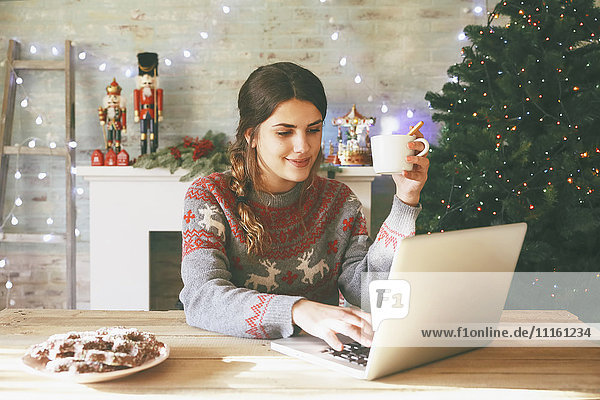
pixel 130 208
pixel 165 270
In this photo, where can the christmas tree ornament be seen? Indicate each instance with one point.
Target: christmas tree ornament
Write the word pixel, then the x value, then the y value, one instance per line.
pixel 356 150
pixel 148 101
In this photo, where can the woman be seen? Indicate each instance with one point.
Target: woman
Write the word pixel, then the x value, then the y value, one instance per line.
pixel 267 246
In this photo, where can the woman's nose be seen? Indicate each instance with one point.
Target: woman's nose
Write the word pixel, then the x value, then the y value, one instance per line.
pixel 301 144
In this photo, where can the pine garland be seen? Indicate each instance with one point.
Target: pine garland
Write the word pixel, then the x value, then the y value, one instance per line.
pixel 198 156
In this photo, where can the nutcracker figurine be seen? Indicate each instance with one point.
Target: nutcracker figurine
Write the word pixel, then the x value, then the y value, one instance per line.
pixel 113 116
pixel 148 100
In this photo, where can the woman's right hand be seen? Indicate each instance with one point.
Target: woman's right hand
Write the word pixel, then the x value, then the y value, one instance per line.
pixel 325 321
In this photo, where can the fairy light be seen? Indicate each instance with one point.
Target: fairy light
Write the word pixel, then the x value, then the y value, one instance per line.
pixel 357 79
pixel 409 113
pixel 24 102
pixel 3 263
pixel 49 221
pixel 39 120
pixel 31 144
pixel 19 80
pixel 226 9
pixel 187 54
pixel 18 174
pixel 102 67
pixel 204 35
pixel 384 108
pixel 128 73
pixel 335 35
pixel 14 220
pixel 32 49
pixel 18 202
pixel 42 176
pixel 52 145
pixel 461 36
pixel 54 51
pixel 343 61
pixel 82 55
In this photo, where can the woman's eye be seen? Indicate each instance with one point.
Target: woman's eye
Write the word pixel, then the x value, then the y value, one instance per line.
pixel 314 130
pixel 284 133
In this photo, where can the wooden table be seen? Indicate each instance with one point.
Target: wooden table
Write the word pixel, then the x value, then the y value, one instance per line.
pixel 208 365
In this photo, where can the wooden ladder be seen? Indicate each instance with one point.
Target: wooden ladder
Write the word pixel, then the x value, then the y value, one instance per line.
pixel 14 64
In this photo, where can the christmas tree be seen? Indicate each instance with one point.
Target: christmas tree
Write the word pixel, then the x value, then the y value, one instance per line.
pixel 520 137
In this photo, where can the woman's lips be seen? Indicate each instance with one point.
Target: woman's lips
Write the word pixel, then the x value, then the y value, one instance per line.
pixel 299 163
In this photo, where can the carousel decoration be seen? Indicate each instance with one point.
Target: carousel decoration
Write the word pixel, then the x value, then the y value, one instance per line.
pixel 148 101
pixel 356 150
pixel 113 119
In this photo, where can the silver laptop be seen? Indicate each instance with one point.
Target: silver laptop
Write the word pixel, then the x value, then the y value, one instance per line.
pixel 457 277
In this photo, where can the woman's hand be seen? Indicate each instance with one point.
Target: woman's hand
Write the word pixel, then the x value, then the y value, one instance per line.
pixel 324 321
pixel 410 183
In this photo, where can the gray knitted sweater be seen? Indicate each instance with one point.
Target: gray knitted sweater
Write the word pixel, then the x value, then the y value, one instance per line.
pixel 319 248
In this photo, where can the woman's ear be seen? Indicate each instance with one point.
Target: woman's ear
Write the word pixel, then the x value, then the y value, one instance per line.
pixel 248 135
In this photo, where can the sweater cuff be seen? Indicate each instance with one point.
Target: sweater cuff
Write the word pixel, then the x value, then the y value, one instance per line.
pixel 402 215
pixel 278 317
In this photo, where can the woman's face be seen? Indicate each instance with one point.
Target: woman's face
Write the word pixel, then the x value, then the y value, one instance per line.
pixel 287 144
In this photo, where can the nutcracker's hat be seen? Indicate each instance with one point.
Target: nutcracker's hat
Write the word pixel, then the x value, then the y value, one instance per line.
pixel 148 64
pixel 113 88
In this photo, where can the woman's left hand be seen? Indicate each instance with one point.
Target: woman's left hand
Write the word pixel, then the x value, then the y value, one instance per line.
pixel 410 183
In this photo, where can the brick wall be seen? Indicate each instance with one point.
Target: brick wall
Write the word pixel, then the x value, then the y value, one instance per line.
pixel 400 48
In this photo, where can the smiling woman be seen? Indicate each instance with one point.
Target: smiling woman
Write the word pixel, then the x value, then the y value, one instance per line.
pixel 268 246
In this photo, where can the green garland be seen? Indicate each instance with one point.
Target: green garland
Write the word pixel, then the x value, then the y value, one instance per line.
pixel 198 156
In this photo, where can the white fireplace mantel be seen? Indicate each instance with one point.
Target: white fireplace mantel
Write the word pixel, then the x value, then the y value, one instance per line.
pixel 126 204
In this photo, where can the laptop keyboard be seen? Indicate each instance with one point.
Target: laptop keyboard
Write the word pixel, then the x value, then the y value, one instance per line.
pixel 353 352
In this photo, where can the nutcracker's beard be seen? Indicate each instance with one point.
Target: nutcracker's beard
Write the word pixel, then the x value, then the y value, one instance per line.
pixel 147 91
pixel 110 112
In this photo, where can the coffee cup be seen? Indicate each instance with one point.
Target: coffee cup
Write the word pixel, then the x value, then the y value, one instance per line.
pixel 390 151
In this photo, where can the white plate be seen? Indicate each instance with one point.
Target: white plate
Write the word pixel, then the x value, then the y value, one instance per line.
pixel 38 368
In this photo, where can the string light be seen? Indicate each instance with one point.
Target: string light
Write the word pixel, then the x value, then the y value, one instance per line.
pixel 24 102
pixel 32 49
pixel 82 55
pixel 54 51
pixel 343 61
pixel 187 54
pixel 102 67
pixel 168 62
pixel 335 35
pixel 357 79
pixel 226 9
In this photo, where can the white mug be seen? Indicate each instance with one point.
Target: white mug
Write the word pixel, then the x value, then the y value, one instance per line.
pixel 390 152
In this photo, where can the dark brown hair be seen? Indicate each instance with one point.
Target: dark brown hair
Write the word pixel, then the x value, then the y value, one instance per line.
pixel 266 88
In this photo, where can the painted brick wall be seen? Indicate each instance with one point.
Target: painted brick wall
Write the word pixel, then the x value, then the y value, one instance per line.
pixel 400 48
